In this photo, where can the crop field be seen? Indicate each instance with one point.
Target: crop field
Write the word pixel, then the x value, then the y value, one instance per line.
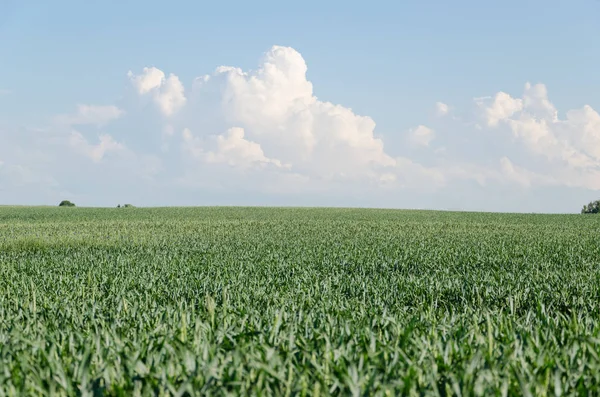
pixel 268 301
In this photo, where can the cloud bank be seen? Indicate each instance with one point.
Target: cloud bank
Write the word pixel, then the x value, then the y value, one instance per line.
pixel 263 132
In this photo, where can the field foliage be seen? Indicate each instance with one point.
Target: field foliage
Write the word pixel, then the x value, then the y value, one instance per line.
pixel 261 301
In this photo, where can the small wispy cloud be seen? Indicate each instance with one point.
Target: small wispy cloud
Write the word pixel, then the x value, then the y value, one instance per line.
pixel 5 91
pixel 441 109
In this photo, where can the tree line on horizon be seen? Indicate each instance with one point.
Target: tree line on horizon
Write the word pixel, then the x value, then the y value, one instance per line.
pixel 67 203
pixel 592 208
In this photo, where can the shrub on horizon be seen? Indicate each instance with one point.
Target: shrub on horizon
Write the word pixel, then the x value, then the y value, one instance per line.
pixel 591 208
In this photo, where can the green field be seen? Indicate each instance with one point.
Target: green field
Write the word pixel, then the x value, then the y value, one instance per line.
pixel 265 301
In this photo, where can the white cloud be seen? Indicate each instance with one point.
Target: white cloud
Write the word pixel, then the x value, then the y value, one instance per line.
pixel 513 173
pixel 584 124
pixel 95 152
pixel 230 148
pixel 277 109
pixel 234 150
pixel 421 136
pixel 502 107
pixel 91 114
pixel 571 146
pixel 536 102
pixel 167 92
pixel 150 79
pixel 441 109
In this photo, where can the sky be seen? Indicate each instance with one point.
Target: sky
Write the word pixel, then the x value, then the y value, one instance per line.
pixel 462 105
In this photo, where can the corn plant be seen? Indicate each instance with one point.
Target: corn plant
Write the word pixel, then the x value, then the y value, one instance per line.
pixel 269 301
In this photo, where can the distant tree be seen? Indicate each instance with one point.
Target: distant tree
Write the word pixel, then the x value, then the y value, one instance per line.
pixel 118 205
pixel 66 203
pixel 592 208
pixel 128 206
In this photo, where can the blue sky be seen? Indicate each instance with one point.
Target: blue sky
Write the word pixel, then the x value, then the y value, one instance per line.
pixel 454 125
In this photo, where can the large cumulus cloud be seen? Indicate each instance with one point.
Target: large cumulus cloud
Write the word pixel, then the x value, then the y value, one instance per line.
pixel 275 109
